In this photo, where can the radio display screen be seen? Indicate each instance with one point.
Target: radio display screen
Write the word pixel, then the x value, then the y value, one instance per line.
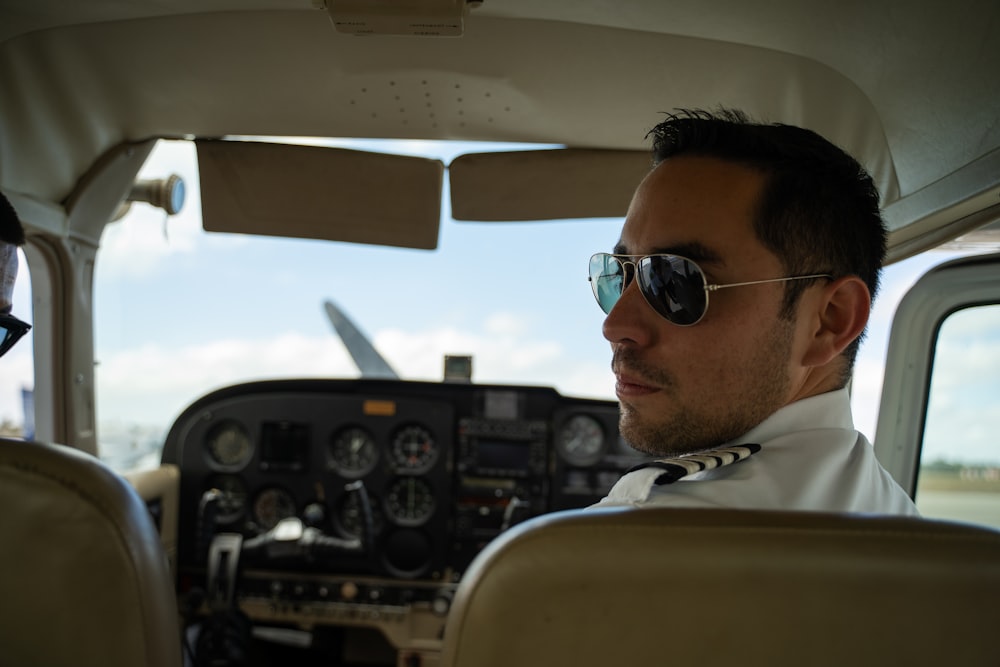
pixel 503 454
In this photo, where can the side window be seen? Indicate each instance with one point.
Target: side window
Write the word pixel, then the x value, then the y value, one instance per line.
pixel 959 474
pixel 17 368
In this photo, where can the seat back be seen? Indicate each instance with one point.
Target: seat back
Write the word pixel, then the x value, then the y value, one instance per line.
pixel 84 579
pixel 725 587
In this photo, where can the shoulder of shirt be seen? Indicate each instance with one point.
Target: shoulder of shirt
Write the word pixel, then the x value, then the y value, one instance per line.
pixel 679 467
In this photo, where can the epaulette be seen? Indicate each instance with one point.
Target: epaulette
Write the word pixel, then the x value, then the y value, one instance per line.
pixel 682 466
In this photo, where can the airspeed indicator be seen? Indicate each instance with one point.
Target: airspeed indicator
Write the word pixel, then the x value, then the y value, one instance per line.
pixel 228 445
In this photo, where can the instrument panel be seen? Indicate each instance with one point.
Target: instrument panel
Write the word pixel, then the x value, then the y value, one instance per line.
pixel 444 467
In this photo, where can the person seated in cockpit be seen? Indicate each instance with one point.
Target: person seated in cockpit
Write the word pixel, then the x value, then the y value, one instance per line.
pixel 746 399
pixel 11 236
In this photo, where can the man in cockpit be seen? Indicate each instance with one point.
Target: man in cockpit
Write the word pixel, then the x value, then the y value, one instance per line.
pixel 736 299
pixel 11 236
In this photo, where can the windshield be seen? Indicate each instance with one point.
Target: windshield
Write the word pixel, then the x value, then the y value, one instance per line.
pixel 180 312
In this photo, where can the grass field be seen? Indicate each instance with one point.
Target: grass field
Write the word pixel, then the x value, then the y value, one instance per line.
pixel 974 480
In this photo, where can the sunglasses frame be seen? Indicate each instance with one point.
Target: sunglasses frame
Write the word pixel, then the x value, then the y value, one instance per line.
pixel 636 260
pixel 14 329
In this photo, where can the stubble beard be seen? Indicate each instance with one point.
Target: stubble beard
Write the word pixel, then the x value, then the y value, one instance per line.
pixel 694 424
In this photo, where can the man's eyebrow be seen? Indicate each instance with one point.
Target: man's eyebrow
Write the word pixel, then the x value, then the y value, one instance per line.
pixel 693 250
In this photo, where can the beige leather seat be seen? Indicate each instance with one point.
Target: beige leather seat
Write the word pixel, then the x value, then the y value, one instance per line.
pixel 721 587
pixel 83 577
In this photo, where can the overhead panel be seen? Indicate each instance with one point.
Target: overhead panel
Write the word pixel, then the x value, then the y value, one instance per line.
pixel 422 18
pixel 545 184
pixel 318 192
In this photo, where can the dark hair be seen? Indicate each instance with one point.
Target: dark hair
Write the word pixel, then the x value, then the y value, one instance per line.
pixel 11 230
pixel 819 209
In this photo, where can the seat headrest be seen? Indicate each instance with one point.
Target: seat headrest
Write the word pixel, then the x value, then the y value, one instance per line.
pixel 83 576
pixel 719 587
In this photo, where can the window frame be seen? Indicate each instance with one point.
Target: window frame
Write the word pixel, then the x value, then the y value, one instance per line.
pixel 955 285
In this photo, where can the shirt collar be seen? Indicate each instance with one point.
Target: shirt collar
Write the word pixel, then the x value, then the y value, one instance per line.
pixel 822 411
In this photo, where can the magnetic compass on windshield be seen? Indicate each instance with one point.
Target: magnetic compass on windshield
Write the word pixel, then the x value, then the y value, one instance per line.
pixel 353 452
pixel 413 449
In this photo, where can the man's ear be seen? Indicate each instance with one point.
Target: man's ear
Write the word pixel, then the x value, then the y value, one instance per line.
pixel 839 314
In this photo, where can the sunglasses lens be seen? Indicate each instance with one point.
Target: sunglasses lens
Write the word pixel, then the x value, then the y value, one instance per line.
pixel 11 331
pixel 607 278
pixel 7 340
pixel 674 287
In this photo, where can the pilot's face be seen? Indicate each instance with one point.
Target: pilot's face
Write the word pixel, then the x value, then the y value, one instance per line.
pixel 683 389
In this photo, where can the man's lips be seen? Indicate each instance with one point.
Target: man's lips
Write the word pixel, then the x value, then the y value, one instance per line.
pixel 632 385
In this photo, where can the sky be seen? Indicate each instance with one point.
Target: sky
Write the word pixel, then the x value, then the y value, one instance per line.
pixel 180 312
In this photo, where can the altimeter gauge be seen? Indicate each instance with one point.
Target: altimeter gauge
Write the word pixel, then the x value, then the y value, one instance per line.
pixel 413 449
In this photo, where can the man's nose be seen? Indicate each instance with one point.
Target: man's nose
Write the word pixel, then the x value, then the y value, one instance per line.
pixel 630 318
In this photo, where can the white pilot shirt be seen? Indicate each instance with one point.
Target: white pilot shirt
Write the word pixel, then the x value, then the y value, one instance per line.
pixel 810 458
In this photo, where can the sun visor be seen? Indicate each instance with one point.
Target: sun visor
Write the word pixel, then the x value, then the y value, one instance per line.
pixel 545 184
pixel 319 192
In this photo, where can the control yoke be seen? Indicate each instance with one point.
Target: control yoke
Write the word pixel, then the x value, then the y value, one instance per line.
pixel 290 539
pixel 225 636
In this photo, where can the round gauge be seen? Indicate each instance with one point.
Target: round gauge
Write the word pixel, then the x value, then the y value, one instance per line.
pixel 413 449
pixel 581 440
pixel 409 501
pixel 348 516
pixel 271 506
pixel 228 445
pixel 233 500
pixel 353 452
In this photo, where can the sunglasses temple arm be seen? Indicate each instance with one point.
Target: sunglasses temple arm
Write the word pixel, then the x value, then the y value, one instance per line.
pixel 712 288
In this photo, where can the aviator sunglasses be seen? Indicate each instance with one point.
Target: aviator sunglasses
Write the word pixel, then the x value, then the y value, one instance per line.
pixel 11 330
pixel 674 286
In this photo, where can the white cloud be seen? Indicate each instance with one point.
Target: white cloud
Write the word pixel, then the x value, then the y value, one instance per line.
pixel 506 352
pixel 138 244
pixel 151 385
pixel 506 324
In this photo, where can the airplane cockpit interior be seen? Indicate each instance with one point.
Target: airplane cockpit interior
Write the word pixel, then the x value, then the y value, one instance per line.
pixel 360 503
pixel 301 362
